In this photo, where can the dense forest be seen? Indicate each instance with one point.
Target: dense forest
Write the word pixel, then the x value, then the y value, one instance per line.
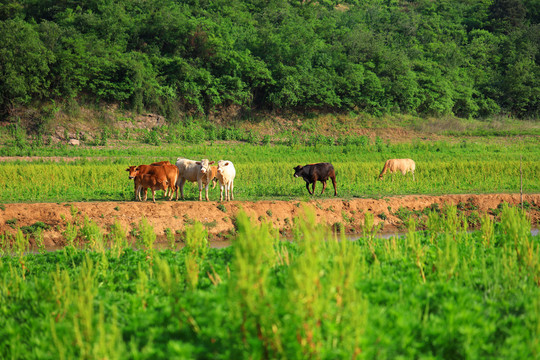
pixel 468 58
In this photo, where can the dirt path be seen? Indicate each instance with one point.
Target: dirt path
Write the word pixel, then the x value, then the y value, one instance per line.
pixel 219 217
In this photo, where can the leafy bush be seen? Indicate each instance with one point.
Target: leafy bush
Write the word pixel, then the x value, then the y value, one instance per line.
pixel 152 137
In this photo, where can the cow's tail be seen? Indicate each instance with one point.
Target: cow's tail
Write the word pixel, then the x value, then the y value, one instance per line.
pixel 175 180
pixel 174 184
pixel 385 168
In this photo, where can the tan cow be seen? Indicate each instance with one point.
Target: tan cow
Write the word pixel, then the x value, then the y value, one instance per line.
pixel 226 174
pixel 395 165
pixel 211 176
pixel 155 181
pixel 194 171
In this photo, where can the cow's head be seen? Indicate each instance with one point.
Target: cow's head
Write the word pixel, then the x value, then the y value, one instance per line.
pixel 298 171
pixel 205 165
pixel 221 166
pixel 132 171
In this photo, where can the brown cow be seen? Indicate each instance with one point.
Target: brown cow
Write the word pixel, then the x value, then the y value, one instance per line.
pixel 171 172
pixel 157 181
pixel 160 163
pixel 172 176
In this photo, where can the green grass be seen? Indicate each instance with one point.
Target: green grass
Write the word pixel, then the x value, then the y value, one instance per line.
pixel 444 293
pixel 265 172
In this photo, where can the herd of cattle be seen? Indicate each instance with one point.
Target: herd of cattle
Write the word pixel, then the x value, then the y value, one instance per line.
pixel 169 178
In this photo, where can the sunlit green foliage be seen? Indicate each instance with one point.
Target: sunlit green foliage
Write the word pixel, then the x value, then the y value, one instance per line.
pixel 468 58
pixel 440 293
pixel 267 171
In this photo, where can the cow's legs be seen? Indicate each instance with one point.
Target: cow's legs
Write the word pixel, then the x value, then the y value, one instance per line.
pixel 182 182
pixel 313 191
pixel 153 195
pixel 170 190
pixel 308 189
pixel 200 189
pixel 142 193
pixel 206 190
pixel 323 186
pixel 231 190
pixel 176 189
pixel 334 183
pixel 221 187
pixel 172 187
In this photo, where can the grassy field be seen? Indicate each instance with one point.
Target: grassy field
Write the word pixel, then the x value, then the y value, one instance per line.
pixel 265 171
pixel 444 293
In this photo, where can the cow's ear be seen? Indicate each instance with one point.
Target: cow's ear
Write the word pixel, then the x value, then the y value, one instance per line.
pixel 226 164
pixel 211 162
pixel 198 162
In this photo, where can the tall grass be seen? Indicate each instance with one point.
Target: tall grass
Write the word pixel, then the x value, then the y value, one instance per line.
pixel 440 293
pixel 266 171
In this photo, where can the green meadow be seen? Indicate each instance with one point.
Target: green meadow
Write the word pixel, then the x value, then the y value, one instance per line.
pixel 443 293
pixel 264 171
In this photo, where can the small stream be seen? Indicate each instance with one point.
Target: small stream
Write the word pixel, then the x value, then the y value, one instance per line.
pixel 164 245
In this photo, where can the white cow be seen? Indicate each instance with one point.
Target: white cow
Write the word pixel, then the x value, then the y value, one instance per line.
pixel 225 175
pixel 193 171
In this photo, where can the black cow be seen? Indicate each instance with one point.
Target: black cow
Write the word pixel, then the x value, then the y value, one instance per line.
pixel 313 172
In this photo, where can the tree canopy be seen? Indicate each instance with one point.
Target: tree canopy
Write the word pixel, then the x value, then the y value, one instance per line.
pixel 470 58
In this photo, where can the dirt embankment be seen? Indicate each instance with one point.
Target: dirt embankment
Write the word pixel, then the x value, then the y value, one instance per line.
pixel 219 217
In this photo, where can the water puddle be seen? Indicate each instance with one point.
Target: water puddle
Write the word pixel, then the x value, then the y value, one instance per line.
pixel 220 244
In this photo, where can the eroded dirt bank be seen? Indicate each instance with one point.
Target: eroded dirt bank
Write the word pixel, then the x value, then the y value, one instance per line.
pixel 219 217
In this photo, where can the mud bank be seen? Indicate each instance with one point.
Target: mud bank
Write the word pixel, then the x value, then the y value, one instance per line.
pixel 219 217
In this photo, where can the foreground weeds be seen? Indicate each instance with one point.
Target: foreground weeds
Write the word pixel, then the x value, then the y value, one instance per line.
pixel 441 293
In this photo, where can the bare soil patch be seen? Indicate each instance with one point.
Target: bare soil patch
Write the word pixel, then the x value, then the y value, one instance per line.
pixel 219 218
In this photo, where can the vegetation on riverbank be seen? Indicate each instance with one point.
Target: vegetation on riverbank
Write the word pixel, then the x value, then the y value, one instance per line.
pixel 442 293
pixel 465 58
pixel 265 171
